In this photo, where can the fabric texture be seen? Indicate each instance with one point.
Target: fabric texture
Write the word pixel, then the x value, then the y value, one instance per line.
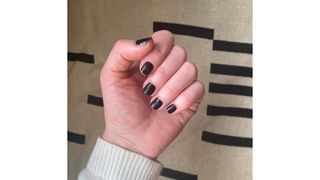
pixel 108 161
pixel 217 35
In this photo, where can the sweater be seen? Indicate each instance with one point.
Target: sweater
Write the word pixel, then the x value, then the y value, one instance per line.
pixel 111 162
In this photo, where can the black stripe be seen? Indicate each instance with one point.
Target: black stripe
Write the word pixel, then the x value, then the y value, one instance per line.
pixel 231 70
pixel 76 138
pixel 86 58
pixel 194 31
pixel 174 174
pixel 230 89
pixel 226 140
pixel 230 46
pixel 94 100
pixel 229 111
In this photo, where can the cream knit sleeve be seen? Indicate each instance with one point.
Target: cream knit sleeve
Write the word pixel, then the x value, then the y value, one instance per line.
pixel 108 161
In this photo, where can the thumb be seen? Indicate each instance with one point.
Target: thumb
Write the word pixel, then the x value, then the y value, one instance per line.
pixel 123 54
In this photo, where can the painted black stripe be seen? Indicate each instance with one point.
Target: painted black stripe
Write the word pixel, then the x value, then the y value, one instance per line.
pixel 182 29
pixel 230 70
pixel 94 100
pixel 229 111
pixel 230 46
pixel 226 140
pixel 174 174
pixel 86 58
pixel 76 138
pixel 230 89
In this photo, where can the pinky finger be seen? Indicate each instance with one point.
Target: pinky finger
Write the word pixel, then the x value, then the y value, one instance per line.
pixel 189 98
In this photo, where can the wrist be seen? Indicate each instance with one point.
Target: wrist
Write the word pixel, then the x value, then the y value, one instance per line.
pixel 130 145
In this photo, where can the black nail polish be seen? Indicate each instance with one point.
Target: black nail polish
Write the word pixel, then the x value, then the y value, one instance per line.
pixel 146 68
pixel 142 42
pixel 149 89
pixel 172 108
pixel 156 104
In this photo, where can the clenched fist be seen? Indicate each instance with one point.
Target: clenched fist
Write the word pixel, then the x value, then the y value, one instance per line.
pixel 150 91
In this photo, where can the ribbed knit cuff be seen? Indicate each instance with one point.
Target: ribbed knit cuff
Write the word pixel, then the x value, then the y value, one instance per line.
pixel 109 161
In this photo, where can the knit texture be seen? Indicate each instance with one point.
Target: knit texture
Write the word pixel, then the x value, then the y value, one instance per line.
pixel 108 161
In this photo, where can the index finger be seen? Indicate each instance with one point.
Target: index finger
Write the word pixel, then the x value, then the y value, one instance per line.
pixel 163 42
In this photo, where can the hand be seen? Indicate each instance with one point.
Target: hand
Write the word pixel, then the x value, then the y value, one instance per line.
pixel 174 93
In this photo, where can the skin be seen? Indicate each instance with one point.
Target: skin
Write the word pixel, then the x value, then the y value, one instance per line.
pixel 131 123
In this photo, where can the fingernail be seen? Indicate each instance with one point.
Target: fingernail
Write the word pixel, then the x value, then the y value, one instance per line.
pixel 142 42
pixel 156 104
pixel 172 108
pixel 149 89
pixel 146 68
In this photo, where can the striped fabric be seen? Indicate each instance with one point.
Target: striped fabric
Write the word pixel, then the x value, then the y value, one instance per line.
pixel 217 142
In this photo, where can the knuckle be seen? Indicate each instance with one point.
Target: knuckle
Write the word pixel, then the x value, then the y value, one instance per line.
pixel 186 99
pixel 118 43
pixel 192 68
pixel 181 51
pixel 200 86
pixel 166 33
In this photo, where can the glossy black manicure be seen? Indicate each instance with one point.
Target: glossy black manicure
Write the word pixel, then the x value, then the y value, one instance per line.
pixel 142 42
pixel 146 68
pixel 156 104
pixel 149 89
pixel 172 108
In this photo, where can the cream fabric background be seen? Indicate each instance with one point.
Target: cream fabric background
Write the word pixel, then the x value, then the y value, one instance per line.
pixel 94 26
